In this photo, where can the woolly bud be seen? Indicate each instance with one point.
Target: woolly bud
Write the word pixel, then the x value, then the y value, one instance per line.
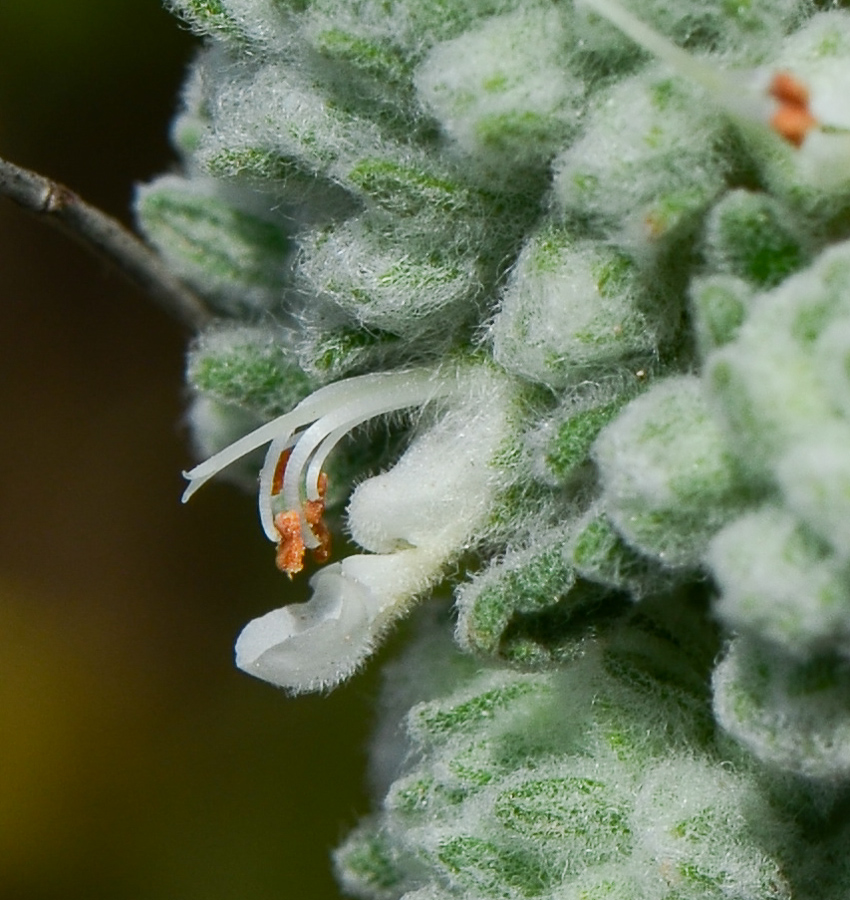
pixel 559 447
pixel 503 612
pixel 241 22
pixel 600 554
pixel 719 306
pixel 792 714
pixel 384 284
pixel 668 482
pixel 779 581
pixel 814 477
pixel 768 383
pixel 235 256
pixel 248 366
pixel 572 308
pixel 648 161
pixel 501 91
pixel 749 235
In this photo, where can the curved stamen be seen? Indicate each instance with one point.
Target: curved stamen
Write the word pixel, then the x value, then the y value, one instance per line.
pixel 396 391
pixel 305 412
pixel 310 431
pixel 316 405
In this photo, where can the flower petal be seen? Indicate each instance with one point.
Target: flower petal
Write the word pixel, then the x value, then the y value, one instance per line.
pixel 315 645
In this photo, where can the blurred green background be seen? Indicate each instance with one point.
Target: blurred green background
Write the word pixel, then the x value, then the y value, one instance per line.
pixel 135 762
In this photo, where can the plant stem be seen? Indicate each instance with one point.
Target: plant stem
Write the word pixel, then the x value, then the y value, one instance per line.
pixel 104 236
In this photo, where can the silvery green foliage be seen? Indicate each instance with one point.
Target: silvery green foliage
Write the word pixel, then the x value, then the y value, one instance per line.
pixel 599 779
pixel 589 268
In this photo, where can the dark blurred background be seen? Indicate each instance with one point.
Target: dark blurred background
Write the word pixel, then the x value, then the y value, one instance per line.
pixel 135 762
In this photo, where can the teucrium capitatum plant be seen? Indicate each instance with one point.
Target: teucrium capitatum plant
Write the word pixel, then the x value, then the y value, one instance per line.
pixel 589 266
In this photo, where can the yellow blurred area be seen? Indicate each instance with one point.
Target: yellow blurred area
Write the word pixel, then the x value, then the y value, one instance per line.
pixel 135 762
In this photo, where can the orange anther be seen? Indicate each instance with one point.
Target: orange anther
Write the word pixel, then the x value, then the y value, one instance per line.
pixel 313 512
pixel 322 553
pixel 785 88
pixel 279 470
pixel 792 120
pixel 793 123
pixel 290 547
pixel 322 484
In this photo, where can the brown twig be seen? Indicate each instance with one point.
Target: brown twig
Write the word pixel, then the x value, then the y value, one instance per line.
pixel 104 236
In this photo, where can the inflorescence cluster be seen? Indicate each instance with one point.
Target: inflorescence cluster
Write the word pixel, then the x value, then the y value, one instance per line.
pixel 564 289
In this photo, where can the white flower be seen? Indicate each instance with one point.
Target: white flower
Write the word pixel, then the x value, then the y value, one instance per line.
pixel 413 518
pixel 326 416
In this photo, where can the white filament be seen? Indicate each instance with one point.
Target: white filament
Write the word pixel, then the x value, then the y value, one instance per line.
pixel 328 414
